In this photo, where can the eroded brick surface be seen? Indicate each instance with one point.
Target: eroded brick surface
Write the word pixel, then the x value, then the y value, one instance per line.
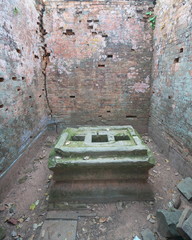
pixel 171 105
pixel 100 62
pixel 22 99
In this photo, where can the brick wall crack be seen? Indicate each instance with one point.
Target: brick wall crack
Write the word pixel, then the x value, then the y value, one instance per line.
pixel 45 54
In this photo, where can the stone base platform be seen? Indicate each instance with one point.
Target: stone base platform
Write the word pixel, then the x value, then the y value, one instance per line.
pixel 98 192
pixel 100 164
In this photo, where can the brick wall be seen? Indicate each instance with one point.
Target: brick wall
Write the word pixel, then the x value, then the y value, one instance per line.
pixel 22 95
pixel 99 64
pixel 89 63
pixel 171 102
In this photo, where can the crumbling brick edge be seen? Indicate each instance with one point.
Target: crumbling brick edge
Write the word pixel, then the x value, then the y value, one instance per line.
pixel 178 160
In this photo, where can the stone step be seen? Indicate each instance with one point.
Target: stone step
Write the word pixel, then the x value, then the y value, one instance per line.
pixel 102 169
pixel 58 229
pixel 98 192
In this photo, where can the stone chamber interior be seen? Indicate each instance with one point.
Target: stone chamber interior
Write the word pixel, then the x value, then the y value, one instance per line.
pixel 89 63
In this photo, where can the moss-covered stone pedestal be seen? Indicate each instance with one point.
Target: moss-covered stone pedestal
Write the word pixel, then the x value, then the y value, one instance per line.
pixel 100 164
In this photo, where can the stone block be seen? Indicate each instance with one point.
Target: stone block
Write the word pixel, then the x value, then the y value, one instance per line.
pixel 100 153
pixel 147 234
pixel 100 163
pixel 187 228
pixel 98 192
pixel 167 221
pixel 182 226
pixel 58 229
pixel 185 214
pixel 185 187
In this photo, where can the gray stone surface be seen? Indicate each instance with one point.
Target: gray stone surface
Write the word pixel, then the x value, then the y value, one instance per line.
pixel 185 215
pixel 58 230
pixel 98 192
pixel 66 206
pixel 185 187
pixel 100 164
pixel 167 221
pixel 69 215
pixel 107 145
pixel 2 233
pixel 147 234
pixel 187 228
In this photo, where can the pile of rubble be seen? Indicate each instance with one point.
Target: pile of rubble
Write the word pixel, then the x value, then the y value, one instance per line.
pixel 174 224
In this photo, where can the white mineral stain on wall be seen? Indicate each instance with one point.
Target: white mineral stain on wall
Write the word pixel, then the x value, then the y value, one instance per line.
pixel 141 87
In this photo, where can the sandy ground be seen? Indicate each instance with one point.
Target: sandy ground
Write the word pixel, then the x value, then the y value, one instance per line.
pixel 114 221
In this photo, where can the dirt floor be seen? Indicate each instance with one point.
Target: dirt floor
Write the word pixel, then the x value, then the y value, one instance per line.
pixel 23 211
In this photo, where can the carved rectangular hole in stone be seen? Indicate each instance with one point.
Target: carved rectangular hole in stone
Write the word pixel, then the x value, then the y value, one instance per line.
pixel 78 138
pixel 1 79
pixel 14 78
pixel 176 60
pixel 122 138
pixel 104 35
pixel 72 96
pixel 69 32
pixel 90 27
pixel 99 138
pixel 110 56
pixel 181 50
pixel 101 65
pixel 96 20
pixel 89 20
